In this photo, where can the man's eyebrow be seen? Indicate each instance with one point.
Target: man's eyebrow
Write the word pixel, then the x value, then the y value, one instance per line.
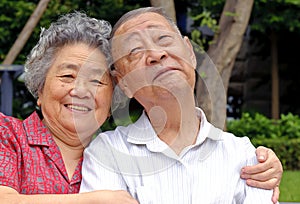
pixel 137 33
pixel 130 36
pixel 156 26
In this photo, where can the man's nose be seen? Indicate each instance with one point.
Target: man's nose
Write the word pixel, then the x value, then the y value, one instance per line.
pixel 155 56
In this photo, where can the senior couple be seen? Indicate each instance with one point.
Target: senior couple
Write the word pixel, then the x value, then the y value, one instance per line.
pixel 171 154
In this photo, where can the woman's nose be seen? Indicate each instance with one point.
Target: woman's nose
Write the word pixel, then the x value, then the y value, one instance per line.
pixel 81 89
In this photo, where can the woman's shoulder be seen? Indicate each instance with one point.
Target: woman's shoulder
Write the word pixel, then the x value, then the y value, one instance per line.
pixel 8 121
pixel 11 126
pixel 9 130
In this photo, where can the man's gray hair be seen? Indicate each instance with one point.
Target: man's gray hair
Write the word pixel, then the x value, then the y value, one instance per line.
pixel 136 12
pixel 69 29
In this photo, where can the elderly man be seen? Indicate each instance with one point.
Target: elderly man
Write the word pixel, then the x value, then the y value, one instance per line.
pixel 171 154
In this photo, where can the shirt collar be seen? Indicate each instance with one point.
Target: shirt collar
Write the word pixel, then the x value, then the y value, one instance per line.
pixel 142 132
pixel 37 132
pixel 207 130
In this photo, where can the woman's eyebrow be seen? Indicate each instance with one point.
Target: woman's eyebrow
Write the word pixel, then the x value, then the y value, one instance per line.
pixel 68 66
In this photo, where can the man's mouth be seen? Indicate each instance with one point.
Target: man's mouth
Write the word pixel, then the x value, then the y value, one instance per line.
pixel 163 71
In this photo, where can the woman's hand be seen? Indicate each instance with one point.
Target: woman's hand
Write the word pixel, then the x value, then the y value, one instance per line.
pixel 266 174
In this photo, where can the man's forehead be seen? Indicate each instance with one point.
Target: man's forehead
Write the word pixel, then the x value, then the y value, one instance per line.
pixel 138 35
pixel 144 21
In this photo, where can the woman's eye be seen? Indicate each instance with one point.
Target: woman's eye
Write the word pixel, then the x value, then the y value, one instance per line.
pixel 67 78
pixel 97 82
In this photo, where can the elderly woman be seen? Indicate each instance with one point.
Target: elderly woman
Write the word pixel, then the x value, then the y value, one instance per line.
pixel 41 157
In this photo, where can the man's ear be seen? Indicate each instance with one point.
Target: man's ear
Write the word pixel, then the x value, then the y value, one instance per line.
pixel 117 76
pixel 191 49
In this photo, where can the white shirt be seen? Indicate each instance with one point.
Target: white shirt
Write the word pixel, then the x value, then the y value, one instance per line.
pixel 133 158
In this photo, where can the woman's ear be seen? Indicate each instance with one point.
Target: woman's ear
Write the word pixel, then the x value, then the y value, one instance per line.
pixel 38 108
pixel 191 49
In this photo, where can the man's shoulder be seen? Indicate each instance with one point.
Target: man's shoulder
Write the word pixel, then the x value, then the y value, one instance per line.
pixel 230 137
pixel 227 139
pixel 122 133
pixel 230 140
pixel 240 146
pixel 112 137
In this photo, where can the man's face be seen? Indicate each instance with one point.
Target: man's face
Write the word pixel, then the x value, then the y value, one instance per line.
pixel 151 58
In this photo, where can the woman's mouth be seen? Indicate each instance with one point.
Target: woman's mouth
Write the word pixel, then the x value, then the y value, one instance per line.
pixel 79 108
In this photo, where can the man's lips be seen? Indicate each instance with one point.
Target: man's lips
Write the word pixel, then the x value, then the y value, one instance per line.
pixel 164 70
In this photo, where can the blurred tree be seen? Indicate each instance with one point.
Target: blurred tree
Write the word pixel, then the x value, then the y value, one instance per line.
pixel 267 18
pixel 211 87
pixel 271 19
pixel 15 13
pixel 168 5
pixel 26 32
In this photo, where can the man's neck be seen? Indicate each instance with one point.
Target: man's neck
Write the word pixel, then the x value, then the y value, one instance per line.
pixel 177 125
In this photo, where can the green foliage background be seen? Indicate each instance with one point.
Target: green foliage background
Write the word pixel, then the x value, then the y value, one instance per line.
pixel 14 15
pixel 282 136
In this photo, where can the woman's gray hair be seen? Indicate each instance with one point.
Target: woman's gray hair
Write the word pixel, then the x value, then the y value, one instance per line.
pixel 70 28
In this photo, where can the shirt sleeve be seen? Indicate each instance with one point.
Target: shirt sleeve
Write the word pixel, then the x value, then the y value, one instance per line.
pixel 255 195
pixel 99 169
pixel 9 151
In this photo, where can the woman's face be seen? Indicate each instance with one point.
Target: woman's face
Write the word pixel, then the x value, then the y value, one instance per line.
pixel 76 97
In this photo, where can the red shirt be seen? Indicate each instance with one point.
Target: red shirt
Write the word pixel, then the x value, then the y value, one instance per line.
pixel 30 160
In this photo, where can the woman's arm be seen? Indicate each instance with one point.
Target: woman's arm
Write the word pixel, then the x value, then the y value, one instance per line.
pixel 10 196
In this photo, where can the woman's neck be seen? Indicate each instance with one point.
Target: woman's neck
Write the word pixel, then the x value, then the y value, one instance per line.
pixel 71 155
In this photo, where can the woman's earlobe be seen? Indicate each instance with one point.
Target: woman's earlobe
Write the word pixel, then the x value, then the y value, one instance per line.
pixel 39 112
pixel 38 102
